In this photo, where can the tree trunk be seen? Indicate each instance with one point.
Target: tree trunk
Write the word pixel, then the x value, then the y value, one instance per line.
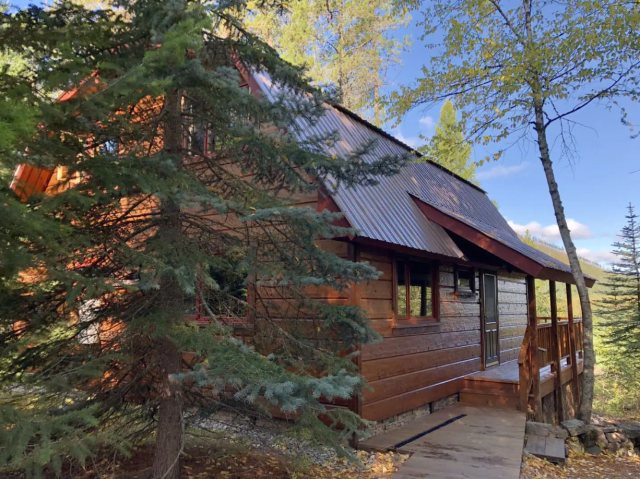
pixel 169 432
pixel 166 459
pixel 586 400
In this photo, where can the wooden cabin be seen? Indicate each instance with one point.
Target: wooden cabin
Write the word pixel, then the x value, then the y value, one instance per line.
pixel 455 302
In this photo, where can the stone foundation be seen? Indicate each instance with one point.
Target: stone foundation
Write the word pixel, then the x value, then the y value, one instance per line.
pixel 600 437
pixel 410 416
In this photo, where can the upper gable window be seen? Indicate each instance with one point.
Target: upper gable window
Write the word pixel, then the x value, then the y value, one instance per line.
pixel 198 137
pixel 415 296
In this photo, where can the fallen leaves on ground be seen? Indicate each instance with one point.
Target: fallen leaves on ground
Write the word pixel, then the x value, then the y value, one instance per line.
pixel 231 461
pixel 582 466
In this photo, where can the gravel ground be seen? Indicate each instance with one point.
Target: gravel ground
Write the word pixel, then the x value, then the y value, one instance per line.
pixel 267 434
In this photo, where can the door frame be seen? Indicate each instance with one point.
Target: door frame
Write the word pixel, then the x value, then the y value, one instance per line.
pixel 483 345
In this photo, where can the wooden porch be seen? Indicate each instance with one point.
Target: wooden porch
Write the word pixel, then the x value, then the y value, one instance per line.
pixel 499 386
pixel 548 360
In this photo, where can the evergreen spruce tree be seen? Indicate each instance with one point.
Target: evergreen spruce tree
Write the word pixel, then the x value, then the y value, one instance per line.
pixel 174 190
pixel 619 312
pixel 448 146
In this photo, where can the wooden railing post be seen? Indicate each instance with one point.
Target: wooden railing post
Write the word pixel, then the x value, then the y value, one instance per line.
pixel 555 344
pixel 534 373
pixel 572 345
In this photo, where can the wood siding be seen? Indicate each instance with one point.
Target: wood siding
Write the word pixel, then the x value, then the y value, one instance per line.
pixel 412 367
pixel 512 313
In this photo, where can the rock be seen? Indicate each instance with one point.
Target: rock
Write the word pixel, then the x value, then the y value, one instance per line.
pixel 593 436
pixel 615 436
pixel 538 428
pixel 609 429
pixel 613 447
pixel 631 429
pixel 546 430
pixel 595 450
pixel 574 427
pixel 574 445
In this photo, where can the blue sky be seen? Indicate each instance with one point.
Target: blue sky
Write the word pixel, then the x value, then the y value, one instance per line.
pixel 596 184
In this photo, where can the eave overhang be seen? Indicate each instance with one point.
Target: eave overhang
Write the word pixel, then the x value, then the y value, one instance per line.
pixel 509 255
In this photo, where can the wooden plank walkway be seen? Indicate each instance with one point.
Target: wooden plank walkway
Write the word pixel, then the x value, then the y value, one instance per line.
pixel 484 443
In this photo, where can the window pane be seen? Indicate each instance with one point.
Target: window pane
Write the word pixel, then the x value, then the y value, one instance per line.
pixel 421 294
pixel 464 281
pixel 401 293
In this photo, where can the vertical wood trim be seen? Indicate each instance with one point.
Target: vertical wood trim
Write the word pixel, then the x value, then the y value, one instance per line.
pixel 407 289
pixel 394 286
pixel 482 328
pixel 555 338
pixel 497 295
pixel 572 344
pixel 252 292
pixel 533 348
pixel 356 290
pixel 435 291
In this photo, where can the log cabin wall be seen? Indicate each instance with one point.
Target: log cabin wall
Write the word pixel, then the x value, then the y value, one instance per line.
pixel 413 367
pixel 512 314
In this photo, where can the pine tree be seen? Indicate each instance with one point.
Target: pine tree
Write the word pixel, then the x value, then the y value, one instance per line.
pixel 619 309
pixel 346 45
pixel 176 188
pixel 448 146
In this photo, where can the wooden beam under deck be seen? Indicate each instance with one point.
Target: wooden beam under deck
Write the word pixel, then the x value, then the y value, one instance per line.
pixel 555 337
pixel 572 344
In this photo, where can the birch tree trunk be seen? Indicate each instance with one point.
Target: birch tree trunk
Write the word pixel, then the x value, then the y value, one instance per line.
pixel 586 399
pixel 535 82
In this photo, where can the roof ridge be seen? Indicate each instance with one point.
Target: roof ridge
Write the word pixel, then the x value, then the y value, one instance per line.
pixel 389 136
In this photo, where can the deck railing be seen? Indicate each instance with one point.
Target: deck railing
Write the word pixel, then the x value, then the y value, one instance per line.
pixel 545 338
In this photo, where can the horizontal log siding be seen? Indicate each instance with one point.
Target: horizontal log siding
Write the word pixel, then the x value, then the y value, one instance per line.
pixel 409 371
pixel 512 313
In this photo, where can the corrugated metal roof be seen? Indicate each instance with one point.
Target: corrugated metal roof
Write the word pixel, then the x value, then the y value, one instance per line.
pixel 386 211
pixel 474 208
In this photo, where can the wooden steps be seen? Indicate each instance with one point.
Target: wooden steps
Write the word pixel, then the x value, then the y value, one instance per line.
pixel 483 392
pixel 546 447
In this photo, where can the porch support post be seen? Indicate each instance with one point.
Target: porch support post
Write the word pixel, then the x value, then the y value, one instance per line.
pixel 572 345
pixel 534 364
pixel 555 343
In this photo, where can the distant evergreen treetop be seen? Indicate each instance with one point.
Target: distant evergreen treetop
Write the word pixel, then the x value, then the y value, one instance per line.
pixel 448 147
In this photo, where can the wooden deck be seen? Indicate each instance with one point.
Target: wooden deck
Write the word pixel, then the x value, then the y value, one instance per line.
pixel 498 386
pixel 460 442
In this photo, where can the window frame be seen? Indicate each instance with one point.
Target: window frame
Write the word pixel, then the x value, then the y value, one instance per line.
pixel 457 273
pixel 407 319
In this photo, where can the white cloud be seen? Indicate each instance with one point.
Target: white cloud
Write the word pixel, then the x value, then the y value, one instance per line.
pixel 603 257
pixel 551 232
pixel 427 122
pixel 412 141
pixel 500 171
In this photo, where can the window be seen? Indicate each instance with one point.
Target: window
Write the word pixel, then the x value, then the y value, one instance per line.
pixel 110 147
pixel 464 281
pixel 87 313
pixel 198 137
pixel 415 291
